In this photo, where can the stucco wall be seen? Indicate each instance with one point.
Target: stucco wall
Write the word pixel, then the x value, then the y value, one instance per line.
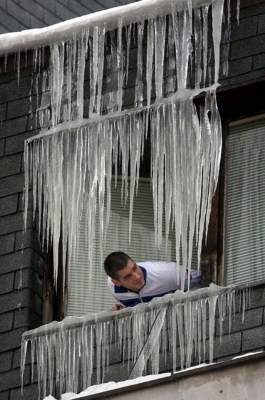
pixel 241 381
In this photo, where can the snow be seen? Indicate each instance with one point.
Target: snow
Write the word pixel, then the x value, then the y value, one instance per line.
pixel 36 38
pixel 247 354
pixel 105 387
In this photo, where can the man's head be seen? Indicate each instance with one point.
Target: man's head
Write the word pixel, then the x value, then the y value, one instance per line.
pixel 123 271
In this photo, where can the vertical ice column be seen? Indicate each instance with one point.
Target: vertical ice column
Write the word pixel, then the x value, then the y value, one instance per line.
pixel 96 62
pixel 160 37
pixel 139 85
pixel 149 59
pixel 57 76
pixel 182 30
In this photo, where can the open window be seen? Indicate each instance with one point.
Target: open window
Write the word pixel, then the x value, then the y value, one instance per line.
pixel 88 291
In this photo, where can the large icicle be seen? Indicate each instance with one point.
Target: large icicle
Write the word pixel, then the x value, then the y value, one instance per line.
pixel 72 169
pixel 64 351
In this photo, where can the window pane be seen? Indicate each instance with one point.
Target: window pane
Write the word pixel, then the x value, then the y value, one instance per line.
pixel 245 204
pixel 87 290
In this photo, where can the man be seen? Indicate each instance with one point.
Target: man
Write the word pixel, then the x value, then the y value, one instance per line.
pixel 132 283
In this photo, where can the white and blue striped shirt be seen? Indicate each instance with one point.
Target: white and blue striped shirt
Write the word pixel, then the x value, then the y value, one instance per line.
pixel 160 279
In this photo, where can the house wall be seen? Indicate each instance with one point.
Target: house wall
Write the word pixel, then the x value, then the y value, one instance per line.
pixel 21 305
pixel 21 263
pixel 247 47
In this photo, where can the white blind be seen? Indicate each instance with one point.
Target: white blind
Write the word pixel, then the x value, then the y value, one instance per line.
pixel 87 290
pixel 245 204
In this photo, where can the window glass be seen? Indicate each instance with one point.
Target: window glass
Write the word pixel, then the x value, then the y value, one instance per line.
pixel 87 290
pixel 245 203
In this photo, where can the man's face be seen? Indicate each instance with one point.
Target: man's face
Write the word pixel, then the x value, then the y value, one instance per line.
pixel 130 277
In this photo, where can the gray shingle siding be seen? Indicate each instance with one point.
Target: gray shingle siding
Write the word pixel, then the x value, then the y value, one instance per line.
pixel 20 264
pixel 247 47
pixel 17 15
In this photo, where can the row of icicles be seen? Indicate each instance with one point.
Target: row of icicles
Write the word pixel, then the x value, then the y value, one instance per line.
pixel 100 71
pixel 70 165
pixel 104 93
pixel 70 173
pixel 167 334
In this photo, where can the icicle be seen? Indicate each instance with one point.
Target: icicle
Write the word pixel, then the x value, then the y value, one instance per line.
pixel 101 58
pixel 139 96
pixel 226 38
pixel 238 11
pixel 94 67
pixel 217 15
pixel 151 345
pixel 81 57
pixel 199 330
pixel 26 186
pixel 182 28
pixel 198 46
pixel 68 73
pixel 24 348
pixel 18 67
pixel 5 61
pixel 57 75
pixel 160 37
pixel 120 66
pixel 128 48
pixel 212 308
pixel 149 59
pixel 205 11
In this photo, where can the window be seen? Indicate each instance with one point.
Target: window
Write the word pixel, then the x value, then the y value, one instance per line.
pixel 90 293
pixel 245 203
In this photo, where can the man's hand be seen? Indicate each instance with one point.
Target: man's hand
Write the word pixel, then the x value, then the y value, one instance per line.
pixel 117 307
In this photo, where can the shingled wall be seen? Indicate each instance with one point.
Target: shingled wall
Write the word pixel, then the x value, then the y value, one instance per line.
pixel 20 260
pixel 21 305
pixel 247 48
pixel 17 15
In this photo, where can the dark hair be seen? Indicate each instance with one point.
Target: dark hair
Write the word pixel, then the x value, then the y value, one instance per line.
pixel 114 262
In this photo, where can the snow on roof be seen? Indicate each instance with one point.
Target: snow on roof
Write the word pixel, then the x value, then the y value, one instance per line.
pixel 32 38
pixel 29 14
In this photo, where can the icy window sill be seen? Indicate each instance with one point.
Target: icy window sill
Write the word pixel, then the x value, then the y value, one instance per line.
pixel 80 346
pixel 71 322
